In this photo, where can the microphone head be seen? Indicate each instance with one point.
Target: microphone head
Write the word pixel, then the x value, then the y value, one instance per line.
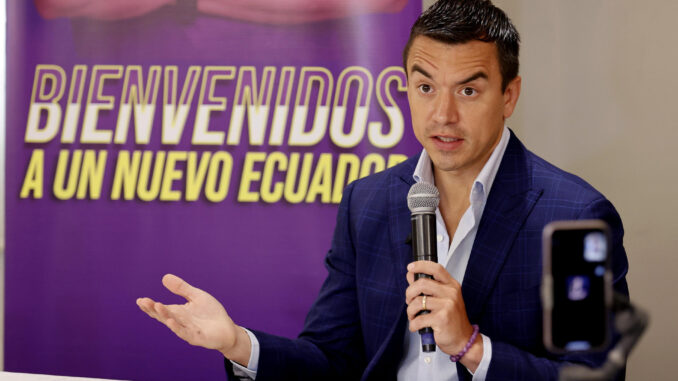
pixel 423 198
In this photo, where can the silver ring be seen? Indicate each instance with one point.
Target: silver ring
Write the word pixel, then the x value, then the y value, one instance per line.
pixel 423 302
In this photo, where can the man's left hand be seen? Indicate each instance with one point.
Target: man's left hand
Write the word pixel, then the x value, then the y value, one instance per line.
pixel 448 319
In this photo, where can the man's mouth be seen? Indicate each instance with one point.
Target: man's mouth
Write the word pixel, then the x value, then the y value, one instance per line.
pixel 447 139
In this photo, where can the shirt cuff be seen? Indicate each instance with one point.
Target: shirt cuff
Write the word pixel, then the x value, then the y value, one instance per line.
pixel 251 370
pixel 481 371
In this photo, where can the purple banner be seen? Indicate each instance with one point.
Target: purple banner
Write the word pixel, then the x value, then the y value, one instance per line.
pixel 209 141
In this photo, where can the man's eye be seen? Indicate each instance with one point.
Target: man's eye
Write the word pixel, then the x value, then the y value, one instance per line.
pixel 425 88
pixel 469 91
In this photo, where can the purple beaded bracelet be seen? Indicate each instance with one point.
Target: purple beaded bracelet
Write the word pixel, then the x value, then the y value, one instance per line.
pixel 458 356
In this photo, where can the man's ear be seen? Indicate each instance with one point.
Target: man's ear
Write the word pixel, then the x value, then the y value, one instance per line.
pixel 511 95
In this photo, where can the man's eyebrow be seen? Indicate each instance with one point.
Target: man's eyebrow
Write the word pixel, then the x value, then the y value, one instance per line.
pixel 480 74
pixel 417 68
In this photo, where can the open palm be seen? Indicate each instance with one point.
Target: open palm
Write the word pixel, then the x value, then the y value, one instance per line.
pixel 201 321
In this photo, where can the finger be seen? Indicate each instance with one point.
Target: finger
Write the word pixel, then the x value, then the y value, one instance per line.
pixel 416 289
pixel 427 287
pixel 164 314
pixel 433 305
pixel 431 268
pixel 178 313
pixel 434 269
pixel 179 286
pixel 153 309
pixel 146 305
pixel 417 305
pixel 423 321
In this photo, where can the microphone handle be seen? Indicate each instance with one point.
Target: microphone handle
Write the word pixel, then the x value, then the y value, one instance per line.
pixel 424 248
pixel 428 343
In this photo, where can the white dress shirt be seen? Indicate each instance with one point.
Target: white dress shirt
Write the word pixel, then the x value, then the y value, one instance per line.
pixel 454 255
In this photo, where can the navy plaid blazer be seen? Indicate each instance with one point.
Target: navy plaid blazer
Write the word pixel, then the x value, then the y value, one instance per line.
pixel 355 329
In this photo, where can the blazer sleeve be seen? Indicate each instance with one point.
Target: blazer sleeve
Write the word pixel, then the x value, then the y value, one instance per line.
pixel 512 363
pixel 330 346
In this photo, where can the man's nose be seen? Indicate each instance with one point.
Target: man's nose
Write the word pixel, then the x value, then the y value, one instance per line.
pixel 446 110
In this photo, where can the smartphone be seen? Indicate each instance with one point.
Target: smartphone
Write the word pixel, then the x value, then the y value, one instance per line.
pixel 576 286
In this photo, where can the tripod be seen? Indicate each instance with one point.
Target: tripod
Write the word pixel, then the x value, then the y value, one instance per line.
pixel 630 322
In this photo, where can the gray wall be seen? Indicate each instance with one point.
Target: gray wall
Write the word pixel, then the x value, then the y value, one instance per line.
pixel 598 99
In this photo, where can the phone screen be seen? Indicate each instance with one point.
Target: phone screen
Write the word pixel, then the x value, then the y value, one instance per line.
pixel 579 263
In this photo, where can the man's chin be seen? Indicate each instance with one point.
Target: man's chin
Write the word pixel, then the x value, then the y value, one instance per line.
pixel 446 165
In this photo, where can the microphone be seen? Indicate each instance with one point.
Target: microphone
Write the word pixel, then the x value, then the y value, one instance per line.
pixel 423 199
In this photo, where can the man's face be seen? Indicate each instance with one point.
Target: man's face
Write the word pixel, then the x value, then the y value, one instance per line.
pixel 457 104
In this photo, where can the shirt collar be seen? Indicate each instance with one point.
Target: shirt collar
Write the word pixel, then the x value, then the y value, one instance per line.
pixel 423 172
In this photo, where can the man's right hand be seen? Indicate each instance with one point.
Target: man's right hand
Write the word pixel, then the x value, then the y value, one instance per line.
pixel 201 321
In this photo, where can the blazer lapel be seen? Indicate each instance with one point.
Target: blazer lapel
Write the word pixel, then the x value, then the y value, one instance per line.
pixel 399 221
pixel 510 201
pixel 384 364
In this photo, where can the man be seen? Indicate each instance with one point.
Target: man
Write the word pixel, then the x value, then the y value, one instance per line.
pixel 495 199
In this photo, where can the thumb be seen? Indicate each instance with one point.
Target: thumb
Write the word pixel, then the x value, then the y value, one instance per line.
pixel 179 286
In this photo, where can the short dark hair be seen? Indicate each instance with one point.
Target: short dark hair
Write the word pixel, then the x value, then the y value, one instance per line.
pixel 460 21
